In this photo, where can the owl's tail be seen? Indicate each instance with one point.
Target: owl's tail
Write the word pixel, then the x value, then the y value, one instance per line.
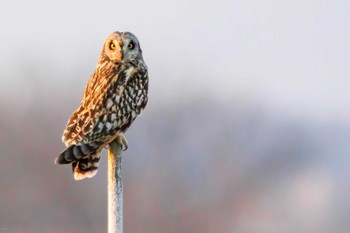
pixel 84 160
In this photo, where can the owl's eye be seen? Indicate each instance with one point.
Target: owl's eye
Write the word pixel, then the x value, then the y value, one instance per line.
pixel 112 46
pixel 131 45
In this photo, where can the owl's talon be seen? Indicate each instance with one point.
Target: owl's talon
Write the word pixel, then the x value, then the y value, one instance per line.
pixel 122 141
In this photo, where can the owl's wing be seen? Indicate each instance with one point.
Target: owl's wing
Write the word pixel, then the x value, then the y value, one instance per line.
pixel 82 122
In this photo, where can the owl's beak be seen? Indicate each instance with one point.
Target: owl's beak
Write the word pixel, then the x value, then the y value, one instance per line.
pixel 119 46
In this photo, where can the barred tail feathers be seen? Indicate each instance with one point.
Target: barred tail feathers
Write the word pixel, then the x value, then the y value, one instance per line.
pixel 74 153
pixel 84 159
pixel 86 167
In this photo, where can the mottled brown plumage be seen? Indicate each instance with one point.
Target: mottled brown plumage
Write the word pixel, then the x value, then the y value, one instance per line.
pixel 114 96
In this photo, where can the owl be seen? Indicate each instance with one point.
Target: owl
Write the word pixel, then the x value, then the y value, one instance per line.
pixel 114 96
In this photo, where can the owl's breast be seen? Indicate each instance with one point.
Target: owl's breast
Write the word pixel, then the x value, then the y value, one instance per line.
pixel 135 93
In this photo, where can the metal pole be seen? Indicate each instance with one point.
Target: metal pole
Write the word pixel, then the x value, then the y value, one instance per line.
pixel 115 188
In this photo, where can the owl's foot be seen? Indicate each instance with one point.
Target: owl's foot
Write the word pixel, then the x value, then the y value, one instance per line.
pixel 122 141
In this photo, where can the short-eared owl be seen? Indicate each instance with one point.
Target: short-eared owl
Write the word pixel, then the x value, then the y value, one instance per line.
pixel 114 96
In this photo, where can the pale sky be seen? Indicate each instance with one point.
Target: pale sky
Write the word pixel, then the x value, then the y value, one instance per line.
pixel 289 56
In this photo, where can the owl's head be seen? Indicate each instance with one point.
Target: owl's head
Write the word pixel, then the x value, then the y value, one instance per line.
pixel 123 47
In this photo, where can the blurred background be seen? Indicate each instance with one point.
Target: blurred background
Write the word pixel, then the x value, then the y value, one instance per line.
pixel 247 128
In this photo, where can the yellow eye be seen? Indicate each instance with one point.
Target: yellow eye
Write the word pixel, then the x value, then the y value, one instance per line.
pixel 112 46
pixel 131 45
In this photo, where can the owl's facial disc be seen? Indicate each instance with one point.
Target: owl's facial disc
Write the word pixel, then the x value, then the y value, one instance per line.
pixel 125 48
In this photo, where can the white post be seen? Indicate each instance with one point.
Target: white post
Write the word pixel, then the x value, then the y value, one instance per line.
pixel 115 188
